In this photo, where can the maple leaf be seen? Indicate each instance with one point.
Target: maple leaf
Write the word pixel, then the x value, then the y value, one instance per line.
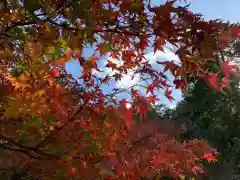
pixel 197 169
pixel 162 75
pixel 75 56
pixel 128 116
pixel 225 82
pixel 55 71
pixel 235 32
pixel 72 171
pixel 142 109
pixel 213 81
pixel 62 61
pixel 106 80
pixel 103 48
pixel 134 93
pixel 214 152
pixel 168 94
pixel 155 160
pixel 158 45
pixel 142 44
pixel 180 84
pixel 209 157
pixel 228 68
pixel 150 88
pixel 123 103
pixel 117 76
pixel 68 53
pixel 152 99
pixel 111 65
pixel 164 83
pixel 93 58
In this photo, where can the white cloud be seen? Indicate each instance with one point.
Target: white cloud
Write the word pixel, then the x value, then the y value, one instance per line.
pixel 165 55
pixel 173 106
pixel 128 80
pixel 110 71
pixel 100 73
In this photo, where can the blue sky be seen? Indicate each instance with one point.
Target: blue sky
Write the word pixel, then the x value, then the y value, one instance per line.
pixel 217 9
pixel 211 9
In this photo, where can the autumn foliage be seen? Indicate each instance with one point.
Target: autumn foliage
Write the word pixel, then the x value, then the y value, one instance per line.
pixel 69 127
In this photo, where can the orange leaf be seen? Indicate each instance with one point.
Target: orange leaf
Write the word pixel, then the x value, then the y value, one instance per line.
pixel 152 99
pixel 72 172
pixel 68 53
pixel 93 58
pixel 62 61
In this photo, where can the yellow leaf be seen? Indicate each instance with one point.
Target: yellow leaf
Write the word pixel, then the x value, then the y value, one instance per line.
pixel 41 92
pixel 182 177
pixel 52 128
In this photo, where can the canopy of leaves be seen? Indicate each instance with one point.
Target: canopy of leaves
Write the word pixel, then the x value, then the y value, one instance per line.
pixel 70 127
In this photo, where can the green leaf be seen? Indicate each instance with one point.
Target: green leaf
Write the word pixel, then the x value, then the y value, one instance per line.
pixel 23 140
pixel 135 7
pixel 57 52
pixel 101 1
pixel 104 48
pixel 2 149
pixel 138 117
pixel 61 151
pixel 31 5
pixel 63 44
pixel 102 117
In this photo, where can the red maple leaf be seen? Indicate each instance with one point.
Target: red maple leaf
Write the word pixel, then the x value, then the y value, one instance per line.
pixel 162 75
pixel 123 103
pixel 225 82
pixel 214 152
pixel 68 53
pixel 55 71
pixel 72 172
pixel 111 65
pixel 235 32
pixel 158 45
pixel 134 93
pixel 155 160
pixel 180 84
pixel 168 94
pixel 150 88
pixel 228 68
pixel 75 56
pixel 128 116
pixel 143 43
pixel 197 169
pixel 142 109
pixel 209 157
pixel 152 99
pixel 213 81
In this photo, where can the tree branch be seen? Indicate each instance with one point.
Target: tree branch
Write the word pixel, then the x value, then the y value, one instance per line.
pixel 25 149
pixel 47 139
